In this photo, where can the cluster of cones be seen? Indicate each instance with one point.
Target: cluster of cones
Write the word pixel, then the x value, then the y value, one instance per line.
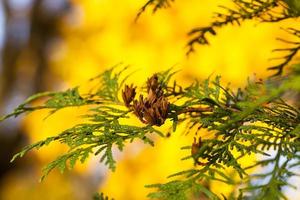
pixel 152 109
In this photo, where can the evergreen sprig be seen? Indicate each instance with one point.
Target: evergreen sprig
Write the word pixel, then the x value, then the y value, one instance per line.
pixel 155 4
pixel 100 134
pixel 243 10
pixel 262 10
pixel 291 52
pixel 248 122
pixel 245 122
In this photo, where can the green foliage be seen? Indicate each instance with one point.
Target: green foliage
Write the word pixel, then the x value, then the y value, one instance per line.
pixel 177 190
pixel 101 197
pixel 106 90
pixel 293 6
pixel 192 185
pixel 247 122
pixel 100 134
pixel 242 123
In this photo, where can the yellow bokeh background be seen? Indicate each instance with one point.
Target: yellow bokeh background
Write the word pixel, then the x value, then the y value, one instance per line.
pixel 101 33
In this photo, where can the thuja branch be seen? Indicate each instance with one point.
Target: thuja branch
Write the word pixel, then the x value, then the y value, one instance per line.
pixel 103 129
pixel 290 52
pixel 195 110
pixel 264 11
pixel 249 121
pixel 156 4
pixel 244 10
pixel 258 122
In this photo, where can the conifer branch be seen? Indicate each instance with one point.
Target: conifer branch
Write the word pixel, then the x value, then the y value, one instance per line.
pixel 291 52
pixel 243 10
pixel 262 10
pixel 156 4
pixel 242 123
pixel 259 122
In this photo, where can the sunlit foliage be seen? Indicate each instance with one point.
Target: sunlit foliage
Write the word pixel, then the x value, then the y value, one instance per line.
pixel 241 121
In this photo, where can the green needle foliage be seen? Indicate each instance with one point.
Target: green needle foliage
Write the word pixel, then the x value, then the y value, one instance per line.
pixel 101 197
pixel 156 4
pixel 242 123
pixel 260 120
pixel 102 131
pixel 252 121
pixel 267 11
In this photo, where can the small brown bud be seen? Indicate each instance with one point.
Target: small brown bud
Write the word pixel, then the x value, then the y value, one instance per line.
pixel 128 94
pixel 195 150
pixel 152 83
pixel 196 146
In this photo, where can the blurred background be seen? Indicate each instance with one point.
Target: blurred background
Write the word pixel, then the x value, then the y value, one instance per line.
pixel 55 44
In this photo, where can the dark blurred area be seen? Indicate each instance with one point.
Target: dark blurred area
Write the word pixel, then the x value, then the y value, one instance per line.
pixel 28 29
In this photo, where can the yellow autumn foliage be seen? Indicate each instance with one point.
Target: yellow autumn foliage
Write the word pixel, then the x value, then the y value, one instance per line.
pixel 102 33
